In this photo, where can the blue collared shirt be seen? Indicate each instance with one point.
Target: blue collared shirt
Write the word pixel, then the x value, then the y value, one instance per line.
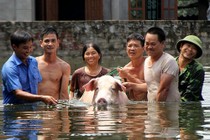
pixel 17 75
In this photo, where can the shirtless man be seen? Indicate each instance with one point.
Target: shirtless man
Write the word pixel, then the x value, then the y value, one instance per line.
pixel 133 72
pixel 55 72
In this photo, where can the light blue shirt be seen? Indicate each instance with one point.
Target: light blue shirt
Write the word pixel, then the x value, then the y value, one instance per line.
pixel 17 75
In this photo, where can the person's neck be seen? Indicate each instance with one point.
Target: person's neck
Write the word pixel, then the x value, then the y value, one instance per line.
pixel 137 62
pixel 25 61
pixel 155 58
pixel 93 67
pixel 93 70
pixel 183 62
pixel 50 58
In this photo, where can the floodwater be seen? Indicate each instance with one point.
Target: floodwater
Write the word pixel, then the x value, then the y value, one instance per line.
pixel 135 121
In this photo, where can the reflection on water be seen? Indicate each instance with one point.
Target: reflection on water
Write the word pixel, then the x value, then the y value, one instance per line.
pixel 162 120
pixel 191 121
pixel 138 120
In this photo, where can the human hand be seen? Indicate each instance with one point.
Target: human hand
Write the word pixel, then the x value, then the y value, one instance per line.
pixel 128 85
pixel 123 73
pixel 49 100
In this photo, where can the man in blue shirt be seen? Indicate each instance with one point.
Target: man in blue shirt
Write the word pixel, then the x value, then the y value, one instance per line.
pixel 20 74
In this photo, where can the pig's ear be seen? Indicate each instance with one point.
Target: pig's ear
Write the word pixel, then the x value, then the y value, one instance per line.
pixel 91 85
pixel 120 87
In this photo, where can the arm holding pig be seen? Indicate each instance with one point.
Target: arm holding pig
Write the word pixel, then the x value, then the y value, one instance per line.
pixel 139 90
pixel 126 76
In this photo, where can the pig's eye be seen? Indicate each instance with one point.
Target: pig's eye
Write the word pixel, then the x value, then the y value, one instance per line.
pixel 96 90
pixel 113 89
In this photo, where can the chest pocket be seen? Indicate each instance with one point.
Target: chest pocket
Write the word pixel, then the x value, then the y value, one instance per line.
pixel 34 75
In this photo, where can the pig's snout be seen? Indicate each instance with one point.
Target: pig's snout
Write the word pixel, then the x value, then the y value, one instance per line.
pixel 102 102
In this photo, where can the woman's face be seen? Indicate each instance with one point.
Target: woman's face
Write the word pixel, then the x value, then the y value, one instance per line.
pixel 91 56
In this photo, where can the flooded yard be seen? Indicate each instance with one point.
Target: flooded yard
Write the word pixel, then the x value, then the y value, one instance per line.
pixel 137 120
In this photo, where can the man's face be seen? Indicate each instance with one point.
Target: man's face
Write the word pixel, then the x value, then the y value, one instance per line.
pixel 153 46
pixel 23 50
pixel 134 49
pixel 188 50
pixel 50 43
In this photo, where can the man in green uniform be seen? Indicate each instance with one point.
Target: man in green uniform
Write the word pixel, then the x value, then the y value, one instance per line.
pixel 191 72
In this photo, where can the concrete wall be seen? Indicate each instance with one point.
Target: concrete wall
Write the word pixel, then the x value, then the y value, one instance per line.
pixel 115 9
pixel 109 35
pixel 17 10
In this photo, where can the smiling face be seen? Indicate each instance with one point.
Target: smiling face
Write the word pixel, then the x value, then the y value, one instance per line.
pixel 134 49
pixel 50 43
pixel 23 50
pixel 91 56
pixel 153 46
pixel 188 51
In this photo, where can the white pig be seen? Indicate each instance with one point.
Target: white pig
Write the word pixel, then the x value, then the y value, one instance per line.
pixel 104 90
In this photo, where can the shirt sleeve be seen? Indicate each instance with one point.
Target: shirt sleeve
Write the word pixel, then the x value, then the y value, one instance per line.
pixel 73 82
pixel 171 67
pixel 11 79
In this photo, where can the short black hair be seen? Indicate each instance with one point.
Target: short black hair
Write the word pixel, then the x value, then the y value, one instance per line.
pixel 157 31
pixel 20 37
pixel 48 30
pixel 136 36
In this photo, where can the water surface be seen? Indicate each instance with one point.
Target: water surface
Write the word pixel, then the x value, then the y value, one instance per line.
pixel 137 120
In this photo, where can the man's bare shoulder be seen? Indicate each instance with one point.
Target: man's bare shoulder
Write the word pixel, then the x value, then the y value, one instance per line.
pixel 63 63
pixel 128 65
pixel 39 58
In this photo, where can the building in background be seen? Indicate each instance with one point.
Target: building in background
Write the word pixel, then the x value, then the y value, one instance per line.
pixel 62 10
pixel 192 9
pixel 17 10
